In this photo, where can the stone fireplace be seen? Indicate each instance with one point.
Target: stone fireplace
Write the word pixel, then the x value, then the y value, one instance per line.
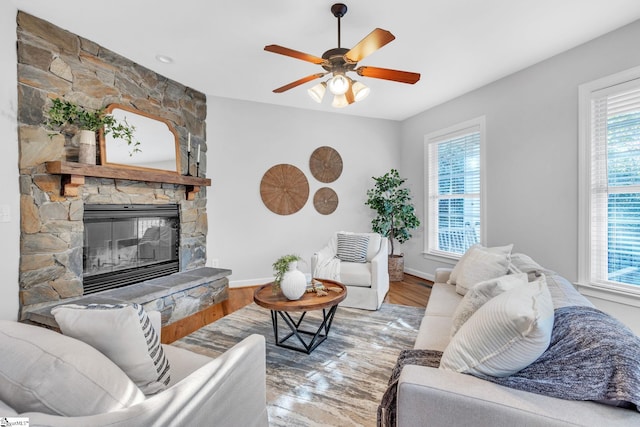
pixel 54 63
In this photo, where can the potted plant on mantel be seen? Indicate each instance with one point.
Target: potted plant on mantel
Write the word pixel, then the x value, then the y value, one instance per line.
pixel 70 118
pixel 396 216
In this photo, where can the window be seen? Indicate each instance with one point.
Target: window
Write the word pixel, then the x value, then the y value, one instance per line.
pixel 610 183
pixel 453 165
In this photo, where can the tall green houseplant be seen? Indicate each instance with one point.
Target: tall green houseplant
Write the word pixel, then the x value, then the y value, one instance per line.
pixel 395 214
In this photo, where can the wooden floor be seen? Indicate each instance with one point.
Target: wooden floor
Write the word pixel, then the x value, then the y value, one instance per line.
pixel 412 291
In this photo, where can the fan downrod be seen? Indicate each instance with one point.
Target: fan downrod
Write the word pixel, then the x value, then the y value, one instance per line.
pixel 339 10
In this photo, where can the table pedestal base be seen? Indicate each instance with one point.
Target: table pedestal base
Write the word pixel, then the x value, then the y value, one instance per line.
pixel 317 337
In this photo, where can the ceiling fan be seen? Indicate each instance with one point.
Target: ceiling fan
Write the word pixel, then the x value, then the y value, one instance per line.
pixel 339 61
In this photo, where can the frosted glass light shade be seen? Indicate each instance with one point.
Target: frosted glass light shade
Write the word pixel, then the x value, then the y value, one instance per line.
pixel 317 92
pixel 339 101
pixel 360 90
pixel 338 84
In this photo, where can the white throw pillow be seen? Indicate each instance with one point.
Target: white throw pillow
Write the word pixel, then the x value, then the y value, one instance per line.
pixel 44 371
pixel 482 292
pixel 482 264
pixel 453 277
pixel 125 334
pixel 522 263
pixel 505 335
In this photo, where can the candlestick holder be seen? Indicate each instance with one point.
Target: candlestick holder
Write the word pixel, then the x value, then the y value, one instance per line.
pixel 188 164
pixel 197 168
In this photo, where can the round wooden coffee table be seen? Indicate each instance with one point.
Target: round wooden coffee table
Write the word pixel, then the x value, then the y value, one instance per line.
pixel 282 307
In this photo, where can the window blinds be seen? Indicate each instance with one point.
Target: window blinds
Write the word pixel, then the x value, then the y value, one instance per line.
pixel 454 191
pixel 615 186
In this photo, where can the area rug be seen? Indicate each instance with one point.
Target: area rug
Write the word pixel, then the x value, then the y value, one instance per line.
pixel 341 382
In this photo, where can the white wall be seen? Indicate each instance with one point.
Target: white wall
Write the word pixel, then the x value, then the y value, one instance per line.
pixel 532 155
pixel 244 140
pixel 10 231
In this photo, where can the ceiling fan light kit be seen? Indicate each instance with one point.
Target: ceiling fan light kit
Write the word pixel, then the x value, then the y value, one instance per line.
pixel 339 61
pixel 338 84
pixel 317 92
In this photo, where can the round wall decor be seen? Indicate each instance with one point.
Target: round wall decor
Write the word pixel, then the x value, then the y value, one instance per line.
pixel 325 200
pixel 284 189
pixel 325 164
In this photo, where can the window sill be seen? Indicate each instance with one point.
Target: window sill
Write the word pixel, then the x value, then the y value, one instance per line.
pixel 441 258
pixel 609 294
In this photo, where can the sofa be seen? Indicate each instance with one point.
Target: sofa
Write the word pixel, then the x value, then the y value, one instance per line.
pixel 360 262
pixel 54 379
pixel 435 396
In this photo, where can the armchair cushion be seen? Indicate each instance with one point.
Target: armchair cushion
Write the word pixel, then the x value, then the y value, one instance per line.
pixel 125 334
pixel 355 273
pixel 38 362
pixel 352 247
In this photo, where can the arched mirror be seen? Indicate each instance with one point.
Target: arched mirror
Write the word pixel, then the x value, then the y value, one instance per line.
pixel 159 147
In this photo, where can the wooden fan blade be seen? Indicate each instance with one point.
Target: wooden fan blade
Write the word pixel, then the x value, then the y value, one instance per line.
pixel 299 82
pixel 388 74
pixel 349 94
pixel 372 42
pixel 293 53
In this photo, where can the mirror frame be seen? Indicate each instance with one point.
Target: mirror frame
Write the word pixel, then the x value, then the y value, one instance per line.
pixel 133 111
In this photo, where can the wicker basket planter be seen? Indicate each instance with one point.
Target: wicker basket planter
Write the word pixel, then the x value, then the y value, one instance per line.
pixel 396 268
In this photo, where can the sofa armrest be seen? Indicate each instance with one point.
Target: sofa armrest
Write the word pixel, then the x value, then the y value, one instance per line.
pixel 434 397
pixel 229 390
pixel 442 274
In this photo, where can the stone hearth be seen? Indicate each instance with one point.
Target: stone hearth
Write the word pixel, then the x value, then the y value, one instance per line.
pixel 176 296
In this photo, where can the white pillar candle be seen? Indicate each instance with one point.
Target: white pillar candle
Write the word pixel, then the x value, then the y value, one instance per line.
pixel 198 153
pixel 189 143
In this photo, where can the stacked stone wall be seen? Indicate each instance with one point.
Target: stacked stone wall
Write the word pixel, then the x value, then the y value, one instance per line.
pixel 55 63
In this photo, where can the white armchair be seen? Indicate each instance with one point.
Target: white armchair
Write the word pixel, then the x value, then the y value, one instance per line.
pixel 367 281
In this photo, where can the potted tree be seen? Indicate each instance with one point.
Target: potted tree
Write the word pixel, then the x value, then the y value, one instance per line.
pixel 395 216
pixel 68 117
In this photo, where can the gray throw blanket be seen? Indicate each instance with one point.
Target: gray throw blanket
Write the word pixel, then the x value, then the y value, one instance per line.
pixel 592 356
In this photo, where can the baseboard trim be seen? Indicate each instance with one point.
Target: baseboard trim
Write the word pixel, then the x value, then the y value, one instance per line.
pixel 420 274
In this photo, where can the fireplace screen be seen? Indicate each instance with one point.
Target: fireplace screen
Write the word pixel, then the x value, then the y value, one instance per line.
pixel 126 244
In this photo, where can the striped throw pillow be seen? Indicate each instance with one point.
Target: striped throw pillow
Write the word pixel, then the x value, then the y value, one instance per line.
pixel 124 333
pixel 352 247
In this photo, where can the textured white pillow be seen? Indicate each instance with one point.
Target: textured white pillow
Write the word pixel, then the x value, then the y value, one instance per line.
pixel 482 264
pixel 122 332
pixel 453 277
pixel 505 335
pixel 44 371
pixel 522 263
pixel 482 292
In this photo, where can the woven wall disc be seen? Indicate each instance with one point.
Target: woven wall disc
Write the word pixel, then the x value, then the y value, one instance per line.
pixel 325 164
pixel 284 189
pixel 325 201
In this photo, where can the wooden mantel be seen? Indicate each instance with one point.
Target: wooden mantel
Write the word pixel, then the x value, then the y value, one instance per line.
pixel 73 175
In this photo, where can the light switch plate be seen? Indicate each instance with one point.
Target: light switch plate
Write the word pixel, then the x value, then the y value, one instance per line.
pixel 5 213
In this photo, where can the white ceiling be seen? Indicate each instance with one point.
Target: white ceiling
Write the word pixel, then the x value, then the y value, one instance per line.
pixel 457 45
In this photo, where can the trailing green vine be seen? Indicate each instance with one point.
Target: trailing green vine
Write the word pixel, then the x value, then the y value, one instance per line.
pixel 65 114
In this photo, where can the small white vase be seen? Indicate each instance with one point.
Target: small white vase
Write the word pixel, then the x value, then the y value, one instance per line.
pixel 294 282
pixel 87 147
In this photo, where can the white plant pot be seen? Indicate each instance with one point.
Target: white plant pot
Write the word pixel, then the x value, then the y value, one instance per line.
pixel 294 282
pixel 87 147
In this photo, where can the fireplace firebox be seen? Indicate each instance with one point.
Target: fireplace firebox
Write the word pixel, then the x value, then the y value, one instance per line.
pixel 127 244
